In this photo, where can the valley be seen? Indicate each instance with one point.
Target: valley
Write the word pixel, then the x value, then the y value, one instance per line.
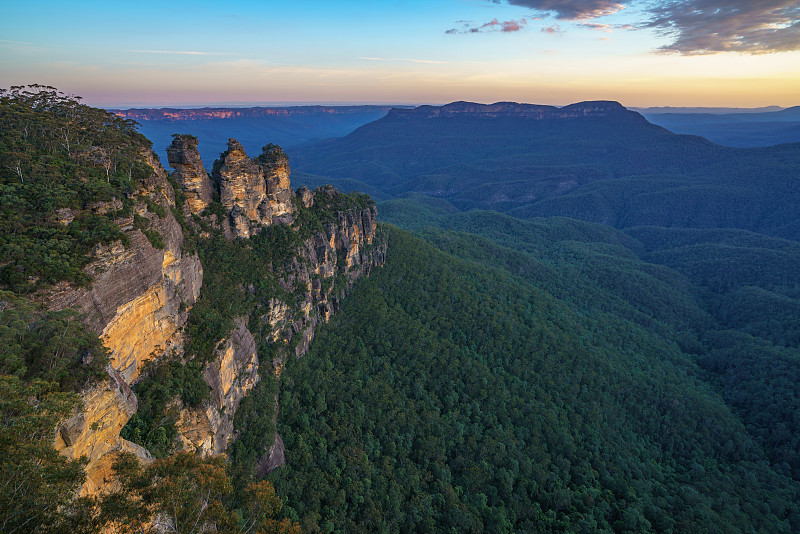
pixel 507 318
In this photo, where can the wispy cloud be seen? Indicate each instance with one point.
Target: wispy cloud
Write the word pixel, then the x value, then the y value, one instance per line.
pixel 179 52
pixel 15 42
pixel 410 60
pixel 552 29
pixel 494 25
pixel 596 26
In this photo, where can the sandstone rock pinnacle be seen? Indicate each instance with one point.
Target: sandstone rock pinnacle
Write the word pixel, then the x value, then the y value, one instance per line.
pixel 183 156
pixel 255 193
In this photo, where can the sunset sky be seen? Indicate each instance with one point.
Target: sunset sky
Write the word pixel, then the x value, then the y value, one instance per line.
pixel 642 53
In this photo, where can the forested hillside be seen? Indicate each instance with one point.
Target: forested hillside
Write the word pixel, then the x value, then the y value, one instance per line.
pixel 551 386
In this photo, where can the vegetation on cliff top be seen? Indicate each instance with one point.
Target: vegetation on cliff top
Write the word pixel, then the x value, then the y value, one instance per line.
pixel 59 159
pixel 68 174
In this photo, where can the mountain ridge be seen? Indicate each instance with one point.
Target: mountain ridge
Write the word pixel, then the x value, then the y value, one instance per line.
pixel 591 108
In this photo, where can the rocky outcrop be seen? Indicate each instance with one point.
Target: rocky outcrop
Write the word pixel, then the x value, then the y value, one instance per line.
pixel 94 431
pixel 254 193
pixel 346 249
pixel 143 288
pixel 190 173
pixel 231 375
pixel 275 169
pixel 275 457
pixel 137 303
pixel 315 279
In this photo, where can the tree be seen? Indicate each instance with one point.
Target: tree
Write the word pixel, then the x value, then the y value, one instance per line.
pixel 186 494
pixel 36 483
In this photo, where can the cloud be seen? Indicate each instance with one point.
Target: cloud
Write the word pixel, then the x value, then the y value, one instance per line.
pixel 571 9
pixel 708 26
pixel 691 27
pixel 179 52
pixel 494 25
pixel 410 60
pixel 595 26
pixel 552 29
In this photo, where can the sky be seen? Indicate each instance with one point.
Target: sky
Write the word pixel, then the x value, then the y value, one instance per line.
pixel 121 53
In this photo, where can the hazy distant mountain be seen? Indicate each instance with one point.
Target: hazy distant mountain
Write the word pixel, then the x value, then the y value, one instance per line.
pixel 594 161
pixel 253 127
pixel 742 128
pixel 714 110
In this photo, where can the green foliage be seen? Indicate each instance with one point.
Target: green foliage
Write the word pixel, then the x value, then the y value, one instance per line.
pixel 187 494
pixel 58 154
pixel 154 237
pixel 36 343
pixel 450 396
pixel 153 424
pixel 750 284
pixel 256 425
pixel 38 484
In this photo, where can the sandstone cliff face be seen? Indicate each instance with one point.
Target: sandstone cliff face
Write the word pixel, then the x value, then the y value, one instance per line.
pixel 190 172
pixel 231 375
pixel 142 291
pixel 94 432
pixel 137 303
pixel 315 278
pixel 254 193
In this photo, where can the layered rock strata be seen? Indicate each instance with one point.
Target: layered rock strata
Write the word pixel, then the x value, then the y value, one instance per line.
pixel 344 250
pixel 255 193
pixel 137 303
pixel 190 173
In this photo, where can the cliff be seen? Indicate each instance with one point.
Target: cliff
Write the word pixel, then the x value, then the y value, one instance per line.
pixel 176 114
pixel 141 282
pixel 101 280
pixel 137 303
pixel 312 278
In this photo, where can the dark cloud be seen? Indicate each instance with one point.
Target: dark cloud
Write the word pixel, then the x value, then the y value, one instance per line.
pixel 749 26
pixel 570 9
pixel 693 26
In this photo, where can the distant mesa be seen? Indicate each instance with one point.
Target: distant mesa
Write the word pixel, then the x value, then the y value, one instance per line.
pixel 179 114
pixel 590 109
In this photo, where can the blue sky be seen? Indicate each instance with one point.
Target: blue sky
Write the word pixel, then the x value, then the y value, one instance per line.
pixel 692 52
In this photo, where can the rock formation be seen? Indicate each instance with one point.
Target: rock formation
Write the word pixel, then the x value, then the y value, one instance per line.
pixel 231 375
pixel 142 291
pixel 254 193
pixel 137 303
pixel 345 249
pixel 190 172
